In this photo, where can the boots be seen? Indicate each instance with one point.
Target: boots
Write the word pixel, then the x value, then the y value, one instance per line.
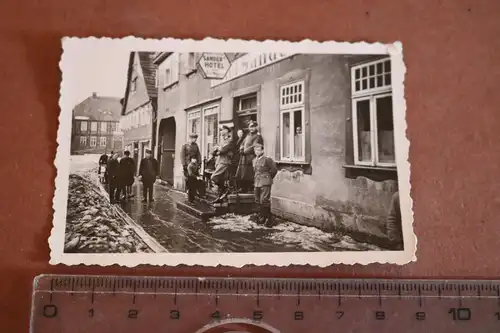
pixel 220 194
pixel 262 216
pixel 269 219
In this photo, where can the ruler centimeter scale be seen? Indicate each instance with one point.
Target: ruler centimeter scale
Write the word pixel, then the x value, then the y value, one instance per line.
pixel 78 304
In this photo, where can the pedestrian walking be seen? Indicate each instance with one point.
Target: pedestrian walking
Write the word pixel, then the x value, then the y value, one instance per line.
pixel 193 182
pixel 148 171
pixel 127 171
pixel 221 173
pixel 189 150
pixel 265 171
pixel 113 175
pixel 245 172
pixel 103 161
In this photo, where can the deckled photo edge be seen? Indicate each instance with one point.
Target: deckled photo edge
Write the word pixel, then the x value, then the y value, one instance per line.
pixel 321 259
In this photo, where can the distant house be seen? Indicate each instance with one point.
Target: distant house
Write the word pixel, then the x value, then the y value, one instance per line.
pixel 138 114
pixel 96 125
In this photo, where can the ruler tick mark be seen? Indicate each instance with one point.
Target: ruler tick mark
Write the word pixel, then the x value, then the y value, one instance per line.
pixel 258 296
pixel 419 297
pixel 339 298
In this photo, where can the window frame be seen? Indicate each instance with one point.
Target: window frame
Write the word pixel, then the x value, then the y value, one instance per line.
pixel 172 64
pixel 370 94
pixel 101 140
pixel 93 139
pixel 83 141
pixel 291 108
pixel 92 126
pixel 82 123
pixel 104 125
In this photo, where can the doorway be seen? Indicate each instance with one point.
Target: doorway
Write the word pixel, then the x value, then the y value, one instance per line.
pixel 167 149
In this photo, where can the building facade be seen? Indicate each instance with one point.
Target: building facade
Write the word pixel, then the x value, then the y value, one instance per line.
pixel 138 116
pixel 96 127
pixel 326 120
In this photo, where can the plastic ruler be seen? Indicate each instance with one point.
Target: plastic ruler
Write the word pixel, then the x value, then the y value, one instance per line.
pixel 102 304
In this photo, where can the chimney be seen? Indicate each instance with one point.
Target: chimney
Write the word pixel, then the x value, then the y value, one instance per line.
pixel 94 95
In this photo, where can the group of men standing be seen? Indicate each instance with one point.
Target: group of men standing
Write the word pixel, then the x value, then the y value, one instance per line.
pixel 252 170
pixel 120 173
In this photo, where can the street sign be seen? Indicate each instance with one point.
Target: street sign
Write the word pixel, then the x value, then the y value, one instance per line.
pixel 214 66
pixel 77 304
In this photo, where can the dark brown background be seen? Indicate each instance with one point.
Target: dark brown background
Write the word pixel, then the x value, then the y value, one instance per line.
pixel 452 53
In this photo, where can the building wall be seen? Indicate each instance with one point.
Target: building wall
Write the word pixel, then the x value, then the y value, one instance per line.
pixel 299 194
pixel 135 101
pixel 77 133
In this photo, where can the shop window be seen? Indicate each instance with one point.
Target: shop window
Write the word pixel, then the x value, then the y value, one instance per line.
pixel 292 123
pixel 83 126
pixel 372 114
pixel 83 141
pixel 102 141
pixel 93 141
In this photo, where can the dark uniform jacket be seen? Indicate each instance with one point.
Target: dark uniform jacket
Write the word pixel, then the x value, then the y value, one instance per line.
pixel 127 170
pixel 265 171
pixel 148 169
pixel 193 170
pixel 113 169
pixel 103 160
pixel 188 151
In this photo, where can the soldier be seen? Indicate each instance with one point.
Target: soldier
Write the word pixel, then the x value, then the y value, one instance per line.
pixel 245 173
pixel 224 155
pixel 265 171
pixel 188 151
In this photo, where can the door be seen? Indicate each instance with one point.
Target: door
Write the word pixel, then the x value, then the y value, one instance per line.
pixel 167 149
pixel 210 130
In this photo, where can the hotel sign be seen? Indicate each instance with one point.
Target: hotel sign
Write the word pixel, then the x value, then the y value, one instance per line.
pixel 248 63
pixel 214 66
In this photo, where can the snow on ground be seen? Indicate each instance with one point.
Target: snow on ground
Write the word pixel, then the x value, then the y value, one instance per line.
pixel 84 162
pixel 308 238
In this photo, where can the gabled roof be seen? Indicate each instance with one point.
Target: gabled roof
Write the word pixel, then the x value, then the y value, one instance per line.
pixel 149 73
pixel 99 108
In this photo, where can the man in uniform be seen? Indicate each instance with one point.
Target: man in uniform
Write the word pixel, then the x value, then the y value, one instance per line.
pixel 188 151
pixel 224 155
pixel 113 175
pixel 148 171
pixel 265 170
pixel 245 173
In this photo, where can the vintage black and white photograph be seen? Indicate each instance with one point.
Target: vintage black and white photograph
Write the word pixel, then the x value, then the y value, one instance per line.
pixel 231 152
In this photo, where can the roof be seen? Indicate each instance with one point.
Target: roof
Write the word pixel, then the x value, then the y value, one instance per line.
pixel 99 108
pixel 149 73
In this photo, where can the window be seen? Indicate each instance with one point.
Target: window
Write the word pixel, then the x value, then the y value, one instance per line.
pixel 292 108
pixel 93 141
pixel 191 62
pixel 104 127
pixel 133 85
pixel 373 126
pixel 93 126
pixel 194 123
pixel 83 141
pixel 246 110
pixel 83 126
pixel 117 127
pixel 170 70
pixel 110 128
pixel 102 141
